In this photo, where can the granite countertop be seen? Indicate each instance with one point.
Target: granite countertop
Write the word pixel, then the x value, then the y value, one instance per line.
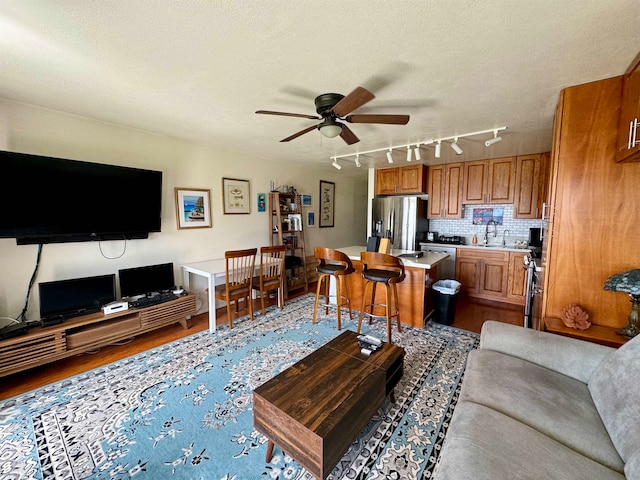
pixel 427 261
pixel 479 246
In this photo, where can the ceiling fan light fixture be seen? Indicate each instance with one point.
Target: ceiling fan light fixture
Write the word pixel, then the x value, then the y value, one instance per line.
pixel 438 148
pixel 494 140
pixel 456 147
pixel 416 152
pixel 336 165
pixel 330 128
pixel 389 156
pixel 408 153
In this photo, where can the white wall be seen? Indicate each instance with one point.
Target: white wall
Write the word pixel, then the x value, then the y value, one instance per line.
pixel 39 131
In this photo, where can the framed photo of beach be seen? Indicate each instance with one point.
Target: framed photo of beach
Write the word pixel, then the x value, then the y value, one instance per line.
pixel 193 208
pixel 235 196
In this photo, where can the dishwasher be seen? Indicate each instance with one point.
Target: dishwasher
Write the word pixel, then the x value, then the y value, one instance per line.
pixel 447 268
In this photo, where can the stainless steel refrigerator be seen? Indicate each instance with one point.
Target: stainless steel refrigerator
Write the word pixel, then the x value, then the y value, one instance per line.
pixel 401 219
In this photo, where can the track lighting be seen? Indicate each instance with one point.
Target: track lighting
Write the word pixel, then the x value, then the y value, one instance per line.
pixel 495 139
pixel 456 147
pixel 416 152
pixel 438 146
pixel 408 153
pixel 358 164
pixel 336 165
pixel 389 156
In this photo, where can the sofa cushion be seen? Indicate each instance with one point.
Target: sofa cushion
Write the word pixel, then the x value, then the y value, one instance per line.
pixel 547 401
pixel 483 444
pixel 632 467
pixel 615 388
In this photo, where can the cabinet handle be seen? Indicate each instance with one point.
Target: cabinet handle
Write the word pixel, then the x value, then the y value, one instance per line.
pixel 630 137
pixel 633 133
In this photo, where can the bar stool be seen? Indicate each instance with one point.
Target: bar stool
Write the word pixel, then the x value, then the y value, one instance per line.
pixel 337 264
pixel 388 270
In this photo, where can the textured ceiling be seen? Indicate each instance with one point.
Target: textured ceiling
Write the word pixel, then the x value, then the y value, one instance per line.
pixel 198 70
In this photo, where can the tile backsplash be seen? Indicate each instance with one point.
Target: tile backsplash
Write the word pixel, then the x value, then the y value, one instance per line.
pixel 518 227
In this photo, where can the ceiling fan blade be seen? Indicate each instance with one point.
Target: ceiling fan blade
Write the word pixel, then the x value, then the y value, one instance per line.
pixel 301 132
pixel 354 100
pixel 386 119
pixel 348 136
pixel 301 115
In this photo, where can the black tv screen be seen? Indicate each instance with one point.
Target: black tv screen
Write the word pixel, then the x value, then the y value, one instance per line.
pixel 77 296
pixel 146 280
pixel 48 199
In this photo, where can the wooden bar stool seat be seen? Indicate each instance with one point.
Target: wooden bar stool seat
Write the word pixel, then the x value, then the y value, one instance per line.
pixel 336 264
pixel 389 271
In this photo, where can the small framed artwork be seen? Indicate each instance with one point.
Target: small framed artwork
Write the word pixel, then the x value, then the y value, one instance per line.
pixel 311 219
pixel 327 203
pixel 193 208
pixel 235 196
pixel 306 200
pixel 262 202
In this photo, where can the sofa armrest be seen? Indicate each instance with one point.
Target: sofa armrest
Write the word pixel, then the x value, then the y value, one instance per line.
pixel 569 356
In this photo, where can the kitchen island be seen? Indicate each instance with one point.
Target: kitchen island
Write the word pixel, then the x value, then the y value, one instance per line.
pixel 414 293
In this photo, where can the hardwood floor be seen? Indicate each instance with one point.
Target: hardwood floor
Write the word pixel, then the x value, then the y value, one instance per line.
pixel 470 315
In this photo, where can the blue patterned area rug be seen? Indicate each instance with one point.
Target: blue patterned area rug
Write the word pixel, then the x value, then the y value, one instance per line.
pixel 184 410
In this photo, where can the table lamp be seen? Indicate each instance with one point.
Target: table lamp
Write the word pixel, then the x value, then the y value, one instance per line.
pixel 628 282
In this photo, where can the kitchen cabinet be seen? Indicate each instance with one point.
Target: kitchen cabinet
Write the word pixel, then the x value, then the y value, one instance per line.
pixel 530 185
pixel 489 181
pixel 411 179
pixel 445 190
pixel 628 145
pixel 491 275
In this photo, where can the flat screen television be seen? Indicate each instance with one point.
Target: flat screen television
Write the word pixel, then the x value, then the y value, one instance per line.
pixel 47 200
pixel 64 299
pixel 146 280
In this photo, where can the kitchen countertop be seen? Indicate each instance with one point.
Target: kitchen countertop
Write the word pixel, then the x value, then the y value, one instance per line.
pixel 492 247
pixel 427 261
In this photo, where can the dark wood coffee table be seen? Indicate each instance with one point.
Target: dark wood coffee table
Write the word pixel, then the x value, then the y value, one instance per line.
pixel 315 409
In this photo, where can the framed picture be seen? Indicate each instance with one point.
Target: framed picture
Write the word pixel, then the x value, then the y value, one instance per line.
pixel 262 202
pixel 311 219
pixel 327 203
pixel 235 196
pixel 306 200
pixel 193 208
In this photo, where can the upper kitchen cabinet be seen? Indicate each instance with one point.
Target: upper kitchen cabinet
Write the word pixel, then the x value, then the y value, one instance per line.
pixel 445 192
pixel 530 185
pixel 489 181
pixel 411 179
pixel 628 132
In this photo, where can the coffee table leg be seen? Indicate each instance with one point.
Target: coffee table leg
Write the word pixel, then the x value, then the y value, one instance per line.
pixel 392 396
pixel 269 451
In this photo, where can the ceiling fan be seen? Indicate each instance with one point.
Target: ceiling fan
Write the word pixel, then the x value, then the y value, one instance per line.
pixel 333 107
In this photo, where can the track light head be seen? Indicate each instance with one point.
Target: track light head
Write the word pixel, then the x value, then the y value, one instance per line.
pixel 408 153
pixel 389 156
pixel 336 165
pixel 456 147
pixel 416 152
pixel 438 147
pixel 495 139
pixel 358 164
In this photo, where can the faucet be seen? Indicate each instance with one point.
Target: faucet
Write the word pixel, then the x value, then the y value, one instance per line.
pixel 504 236
pixel 486 231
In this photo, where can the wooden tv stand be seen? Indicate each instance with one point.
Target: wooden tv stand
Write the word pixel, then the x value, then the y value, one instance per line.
pixel 80 334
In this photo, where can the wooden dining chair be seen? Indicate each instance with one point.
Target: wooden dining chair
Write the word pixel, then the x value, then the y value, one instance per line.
pixel 271 274
pixel 238 280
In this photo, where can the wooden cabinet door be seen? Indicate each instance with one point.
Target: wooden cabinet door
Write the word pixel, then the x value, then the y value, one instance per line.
pixel 517 277
pixel 525 204
pixel 435 185
pixel 493 278
pixel 475 182
pixel 452 190
pixel 629 115
pixel 386 181
pixel 412 179
pixel 468 274
pixel 502 176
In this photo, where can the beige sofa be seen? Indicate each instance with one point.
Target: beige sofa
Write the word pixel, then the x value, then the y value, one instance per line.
pixel 535 405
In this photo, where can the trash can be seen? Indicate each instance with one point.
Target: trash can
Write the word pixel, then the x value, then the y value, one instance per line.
pixel 445 296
